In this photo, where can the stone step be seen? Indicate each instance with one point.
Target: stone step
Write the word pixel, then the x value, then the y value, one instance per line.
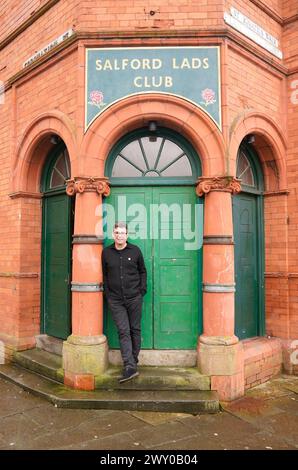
pixel 155 378
pixel 42 362
pixel 150 378
pixel 49 343
pixel 180 401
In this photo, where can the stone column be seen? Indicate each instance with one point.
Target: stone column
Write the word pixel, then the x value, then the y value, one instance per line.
pixel 85 353
pixel 219 351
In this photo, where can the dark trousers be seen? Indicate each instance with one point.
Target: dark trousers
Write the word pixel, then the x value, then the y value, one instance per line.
pixel 126 315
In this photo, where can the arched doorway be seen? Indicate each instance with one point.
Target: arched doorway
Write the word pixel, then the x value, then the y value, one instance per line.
pixel 249 246
pixel 152 175
pixel 56 245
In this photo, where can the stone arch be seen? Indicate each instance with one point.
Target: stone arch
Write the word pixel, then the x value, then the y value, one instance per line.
pixel 34 146
pixel 169 111
pixel 270 145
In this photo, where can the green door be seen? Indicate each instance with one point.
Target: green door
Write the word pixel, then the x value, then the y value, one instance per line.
pixel 175 271
pixel 246 265
pixel 164 219
pixel 56 265
pixel 249 246
pixel 119 200
pixel 56 246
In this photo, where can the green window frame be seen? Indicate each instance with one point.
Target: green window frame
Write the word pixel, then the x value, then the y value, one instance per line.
pixel 151 166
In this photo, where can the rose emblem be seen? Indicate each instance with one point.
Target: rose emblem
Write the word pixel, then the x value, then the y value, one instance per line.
pixel 96 98
pixel 208 96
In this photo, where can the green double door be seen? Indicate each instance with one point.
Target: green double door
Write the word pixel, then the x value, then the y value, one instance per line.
pixel 161 222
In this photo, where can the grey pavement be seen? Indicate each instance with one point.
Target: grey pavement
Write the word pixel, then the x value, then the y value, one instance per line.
pixel 265 419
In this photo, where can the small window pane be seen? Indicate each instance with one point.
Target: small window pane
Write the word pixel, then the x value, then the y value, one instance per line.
pixel 60 172
pixel 151 149
pixel 170 151
pixel 179 168
pixel 244 170
pixel 61 165
pixel 123 169
pixel 133 153
pixel 57 179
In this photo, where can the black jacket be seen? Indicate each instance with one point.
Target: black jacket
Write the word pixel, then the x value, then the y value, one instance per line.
pixel 124 272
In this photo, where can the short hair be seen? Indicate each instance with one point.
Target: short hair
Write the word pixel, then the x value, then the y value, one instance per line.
pixel 120 225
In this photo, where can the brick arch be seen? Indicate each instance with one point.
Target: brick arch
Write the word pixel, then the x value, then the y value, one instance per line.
pixel 169 111
pixel 270 145
pixel 34 146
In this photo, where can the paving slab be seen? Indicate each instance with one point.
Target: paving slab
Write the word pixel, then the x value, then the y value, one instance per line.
pixel 156 418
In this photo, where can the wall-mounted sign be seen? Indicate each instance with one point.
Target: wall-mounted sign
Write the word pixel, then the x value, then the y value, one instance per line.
pixel 192 73
pixel 48 47
pixel 253 31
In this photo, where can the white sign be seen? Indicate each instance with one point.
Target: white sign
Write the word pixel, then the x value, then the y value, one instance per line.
pixel 253 31
pixel 48 47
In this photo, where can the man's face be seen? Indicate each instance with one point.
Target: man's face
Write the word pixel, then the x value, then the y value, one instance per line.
pixel 120 235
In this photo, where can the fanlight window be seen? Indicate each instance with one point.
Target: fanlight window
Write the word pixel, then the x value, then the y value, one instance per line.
pixel 60 171
pixel 152 157
pixel 244 170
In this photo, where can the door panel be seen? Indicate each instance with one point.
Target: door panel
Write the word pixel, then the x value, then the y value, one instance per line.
pixel 56 266
pixel 175 273
pixel 246 266
pixel 136 200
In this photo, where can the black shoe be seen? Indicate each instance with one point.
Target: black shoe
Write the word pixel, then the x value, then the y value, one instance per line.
pixel 128 374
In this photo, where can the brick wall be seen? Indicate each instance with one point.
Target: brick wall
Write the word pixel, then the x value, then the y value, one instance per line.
pixel 262 360
pixel 289 8
pixel 252 87
pixel 141 15
pixel 42 93
pixel 13 13
pixel 57 20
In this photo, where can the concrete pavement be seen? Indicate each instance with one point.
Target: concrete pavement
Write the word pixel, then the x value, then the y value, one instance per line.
pixel 266 418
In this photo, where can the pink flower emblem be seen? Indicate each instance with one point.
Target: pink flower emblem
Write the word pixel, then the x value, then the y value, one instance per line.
pixel 208 96
pixel 96 98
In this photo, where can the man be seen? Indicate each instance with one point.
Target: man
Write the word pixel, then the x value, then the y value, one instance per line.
pixel 125 279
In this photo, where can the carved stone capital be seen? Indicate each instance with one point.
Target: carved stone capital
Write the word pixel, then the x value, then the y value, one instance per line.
pixel 228 184
pixel 83 184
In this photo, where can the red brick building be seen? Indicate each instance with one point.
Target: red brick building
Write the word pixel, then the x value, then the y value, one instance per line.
pixel 176 102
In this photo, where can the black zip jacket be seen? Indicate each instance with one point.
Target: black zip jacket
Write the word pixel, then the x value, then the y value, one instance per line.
pixel 124 272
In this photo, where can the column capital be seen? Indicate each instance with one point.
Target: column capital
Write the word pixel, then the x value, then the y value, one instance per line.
pixel 227 184
pixel 81 184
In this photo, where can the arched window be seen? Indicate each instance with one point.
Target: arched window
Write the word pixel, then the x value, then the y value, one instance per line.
pixel 244 170
pixel 57 169
pixel 249 169
pixel 158 157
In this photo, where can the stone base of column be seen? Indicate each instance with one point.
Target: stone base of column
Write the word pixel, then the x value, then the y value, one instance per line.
pixel 221 358
pixel 84 357
pixel 229 387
